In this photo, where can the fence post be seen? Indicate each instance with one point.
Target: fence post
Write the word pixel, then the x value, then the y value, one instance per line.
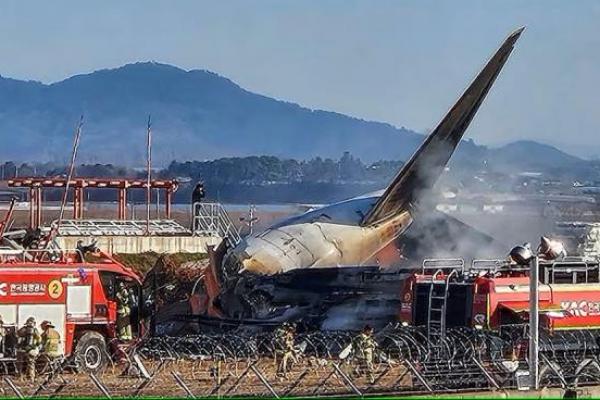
pixel 487 375
pixel 100 385
pixel 182 384
pixel 346 379
pixel 264 381
pixel 56 371
pixel 238 380
pixel 140 366
pixel 296 382
pixel 418 375
pixel 13 387
pixel 149 379
pixel 322 383
pixel 557 372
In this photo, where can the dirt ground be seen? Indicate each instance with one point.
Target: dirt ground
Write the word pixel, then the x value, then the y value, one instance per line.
pixel 230 378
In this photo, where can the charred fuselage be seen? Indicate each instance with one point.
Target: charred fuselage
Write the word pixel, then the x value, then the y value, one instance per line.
pixel 326 298
pixel 328 259
pixel 353 232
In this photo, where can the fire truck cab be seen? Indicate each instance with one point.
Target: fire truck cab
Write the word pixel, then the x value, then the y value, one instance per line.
pixel 76 293
pixel 495 293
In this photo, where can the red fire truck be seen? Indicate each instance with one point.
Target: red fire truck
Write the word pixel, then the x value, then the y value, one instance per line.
pixel 495 293
pixel 76 293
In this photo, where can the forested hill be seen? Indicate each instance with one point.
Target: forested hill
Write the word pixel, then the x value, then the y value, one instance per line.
pixel 196 115
pixel 265 179
pixel 199 115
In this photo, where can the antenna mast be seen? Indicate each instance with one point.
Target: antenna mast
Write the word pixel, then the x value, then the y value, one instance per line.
pixel 69 177
pixel 149 173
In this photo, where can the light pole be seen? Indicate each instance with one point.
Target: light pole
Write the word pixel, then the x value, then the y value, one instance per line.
pixel 549 250
pixel 251 219
pixel 534 322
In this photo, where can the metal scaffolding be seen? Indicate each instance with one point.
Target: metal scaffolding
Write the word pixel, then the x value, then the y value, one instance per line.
pixel 211 219
pixel 78 185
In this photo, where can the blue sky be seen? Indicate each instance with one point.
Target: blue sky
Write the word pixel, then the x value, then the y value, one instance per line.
pixel 402 62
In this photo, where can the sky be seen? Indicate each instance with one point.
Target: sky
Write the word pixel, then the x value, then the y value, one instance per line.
pixel 401 62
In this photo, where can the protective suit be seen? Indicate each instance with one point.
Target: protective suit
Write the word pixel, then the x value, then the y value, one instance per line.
pixel 364 349
pixel 28 347
pixel 123 314
pixel 284 347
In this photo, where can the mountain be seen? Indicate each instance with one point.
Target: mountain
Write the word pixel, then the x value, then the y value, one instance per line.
pixel 535 155
pixel 527 155
pixel 196 115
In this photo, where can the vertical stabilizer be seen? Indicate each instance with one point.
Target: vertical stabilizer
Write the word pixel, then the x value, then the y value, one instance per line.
pixel 422 171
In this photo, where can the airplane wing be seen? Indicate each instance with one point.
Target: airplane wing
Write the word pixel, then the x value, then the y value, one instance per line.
pixel 421 172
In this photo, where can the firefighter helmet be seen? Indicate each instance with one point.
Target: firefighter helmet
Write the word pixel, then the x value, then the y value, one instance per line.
pixel 47 324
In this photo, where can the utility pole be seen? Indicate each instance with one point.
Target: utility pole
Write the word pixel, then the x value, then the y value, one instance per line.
pixel 149 172
pixel 157 194
pixel 251 219
pixel 534 322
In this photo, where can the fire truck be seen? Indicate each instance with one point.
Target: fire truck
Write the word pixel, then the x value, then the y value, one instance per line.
pixel 74 291
pixel 495 293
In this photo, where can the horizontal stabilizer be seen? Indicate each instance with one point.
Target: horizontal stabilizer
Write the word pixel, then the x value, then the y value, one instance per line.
pixel 424 168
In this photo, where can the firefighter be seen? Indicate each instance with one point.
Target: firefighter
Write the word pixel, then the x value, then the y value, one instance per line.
pixel 50 343
pixel 123 314
pixel 279 341
pixel 28 347
pixel 364 346
pixel 284 347
pixel 198 194
pixel 290 351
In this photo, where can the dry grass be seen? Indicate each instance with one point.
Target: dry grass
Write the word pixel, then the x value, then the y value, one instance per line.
pixel 144 262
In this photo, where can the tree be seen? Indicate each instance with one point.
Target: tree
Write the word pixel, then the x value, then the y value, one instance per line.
pixel 9 170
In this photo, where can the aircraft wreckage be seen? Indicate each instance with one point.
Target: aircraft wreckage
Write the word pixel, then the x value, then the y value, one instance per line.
pixel 325 264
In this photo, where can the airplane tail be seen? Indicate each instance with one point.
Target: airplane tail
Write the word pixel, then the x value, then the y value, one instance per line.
pixel 422 171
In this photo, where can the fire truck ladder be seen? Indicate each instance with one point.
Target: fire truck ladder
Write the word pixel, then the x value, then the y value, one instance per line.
pixel 436 313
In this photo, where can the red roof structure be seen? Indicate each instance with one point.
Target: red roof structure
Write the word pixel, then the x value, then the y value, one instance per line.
pixel 36 184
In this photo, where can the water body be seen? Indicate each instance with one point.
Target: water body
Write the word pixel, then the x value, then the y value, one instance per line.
pixel 141 207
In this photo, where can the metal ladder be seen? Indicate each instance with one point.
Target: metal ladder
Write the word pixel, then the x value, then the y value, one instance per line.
pixel 436 313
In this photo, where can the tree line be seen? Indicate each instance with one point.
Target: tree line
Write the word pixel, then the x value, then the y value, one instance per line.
pixel 257 179
pixel 252 170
